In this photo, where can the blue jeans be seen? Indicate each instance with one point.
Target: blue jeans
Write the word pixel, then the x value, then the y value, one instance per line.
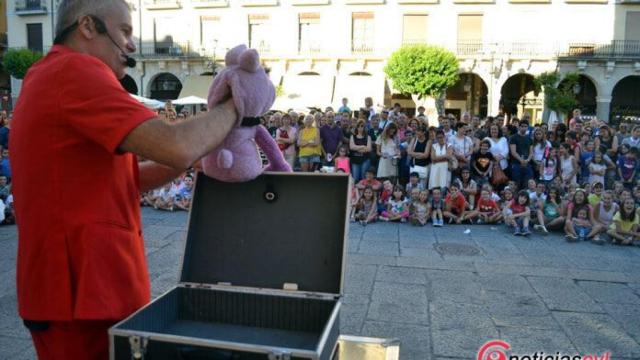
pixel 358 170
pixel 521 174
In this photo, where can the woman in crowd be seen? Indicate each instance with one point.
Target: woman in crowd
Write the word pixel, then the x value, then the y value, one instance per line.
pixel 418 150
pixel 309 144
pixel 499 146
pixel 286 137
pixel 439 176
pixel 360 145
pixel 389 153
pixel 579 202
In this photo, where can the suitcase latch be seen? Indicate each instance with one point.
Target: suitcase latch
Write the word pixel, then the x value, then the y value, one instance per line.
pixel 138 347
pixel 280 355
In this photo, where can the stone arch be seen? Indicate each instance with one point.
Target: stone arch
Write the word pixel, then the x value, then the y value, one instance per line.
pixel 625 100
pixel 165 86
pixel 587 94
pixel 513 92
pixel 471 93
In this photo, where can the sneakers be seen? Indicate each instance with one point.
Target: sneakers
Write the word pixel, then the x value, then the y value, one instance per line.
pixel 537 227
pixel 597 240
pixel 479 222
pixel 570 238
pixel 438 223
pixel 517 231
pixel 525 231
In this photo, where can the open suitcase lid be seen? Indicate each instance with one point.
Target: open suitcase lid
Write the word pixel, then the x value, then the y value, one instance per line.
pixel 239 235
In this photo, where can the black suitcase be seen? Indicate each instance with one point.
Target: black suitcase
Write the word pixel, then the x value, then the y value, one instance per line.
pixel 262 275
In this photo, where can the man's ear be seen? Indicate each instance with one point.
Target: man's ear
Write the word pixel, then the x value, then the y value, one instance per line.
pixel 87 27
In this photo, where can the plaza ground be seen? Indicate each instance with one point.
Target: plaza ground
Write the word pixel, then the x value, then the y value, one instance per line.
pixel 442 292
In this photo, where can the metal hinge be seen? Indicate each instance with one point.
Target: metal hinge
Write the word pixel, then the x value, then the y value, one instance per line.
pixel 138 346
pixel 280 355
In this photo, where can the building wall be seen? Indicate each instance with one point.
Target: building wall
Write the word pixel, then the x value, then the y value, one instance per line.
pixel 518 36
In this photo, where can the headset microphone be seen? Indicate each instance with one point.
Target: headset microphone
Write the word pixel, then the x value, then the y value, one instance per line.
pixel 102 29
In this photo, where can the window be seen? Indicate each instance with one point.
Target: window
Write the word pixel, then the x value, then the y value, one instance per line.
pixel 259 33
pixel 34 37
pixel 632 28
pixel 469 34
pixel 210 32
pixel 362 33
pixel 163 32
pixel 414 29
pixel 309 33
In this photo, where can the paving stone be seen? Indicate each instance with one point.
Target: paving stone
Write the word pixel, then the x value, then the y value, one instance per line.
pixel 628 316
pixel 406 303
pixel 597 333
pixel 563 294
pixel 16 348
pixel 415 243
pixel 495 267
pixel 402 275
pixel 507 283
pixel 433 262
pixel 598 275
pixel 8 282
pixel 519 310
pixel 359 279
pixel 11 325
pixel 414 339
pixel 607 292
pixel 371 259
pixel 385 248
pixel 527 341
pixel 455 286
pixel 352 317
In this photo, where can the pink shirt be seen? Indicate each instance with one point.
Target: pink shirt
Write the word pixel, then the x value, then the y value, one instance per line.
pixel 343 163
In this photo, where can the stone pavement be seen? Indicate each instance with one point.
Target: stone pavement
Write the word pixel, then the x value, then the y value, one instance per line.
pixel 443 293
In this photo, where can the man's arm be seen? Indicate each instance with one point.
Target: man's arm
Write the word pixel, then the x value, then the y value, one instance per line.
pixel 154 175
pixel 179 145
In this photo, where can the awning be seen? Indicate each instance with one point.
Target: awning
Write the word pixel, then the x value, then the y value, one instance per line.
pixel 150 103
pixel 190 100
pixel 196 85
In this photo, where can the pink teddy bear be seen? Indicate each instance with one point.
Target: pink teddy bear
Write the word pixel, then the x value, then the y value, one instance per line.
pixel 237 159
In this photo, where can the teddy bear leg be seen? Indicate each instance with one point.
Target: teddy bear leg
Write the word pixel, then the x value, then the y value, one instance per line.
pixel 225 159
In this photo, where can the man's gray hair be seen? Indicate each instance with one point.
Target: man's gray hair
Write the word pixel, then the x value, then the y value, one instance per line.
pixel 70 11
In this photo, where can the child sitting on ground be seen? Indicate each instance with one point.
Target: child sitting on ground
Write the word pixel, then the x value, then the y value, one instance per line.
pixel 624 229
pixel 397 209
pixel 419 211
pixel 366 208
pixel 487 210
pixel 520 214
pixel 437 206
pixel 455 205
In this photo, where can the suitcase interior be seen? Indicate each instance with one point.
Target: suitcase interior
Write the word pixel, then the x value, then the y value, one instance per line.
pixel 228 316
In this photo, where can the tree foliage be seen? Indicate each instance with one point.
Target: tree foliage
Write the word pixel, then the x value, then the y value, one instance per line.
pixel 422 70
pixel 18 61
pixel 559 95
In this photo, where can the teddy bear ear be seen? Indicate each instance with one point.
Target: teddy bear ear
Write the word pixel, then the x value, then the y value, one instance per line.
pixel 233 55
pixel 250 60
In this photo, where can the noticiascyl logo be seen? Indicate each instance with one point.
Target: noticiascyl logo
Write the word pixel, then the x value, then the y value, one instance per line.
pixel 494 350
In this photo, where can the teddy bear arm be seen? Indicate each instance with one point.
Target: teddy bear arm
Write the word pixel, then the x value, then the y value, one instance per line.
pixel 271 150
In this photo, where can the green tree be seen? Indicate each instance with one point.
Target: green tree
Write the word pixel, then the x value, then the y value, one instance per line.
pixel 18 61
pixel 559 96
pixel 423 71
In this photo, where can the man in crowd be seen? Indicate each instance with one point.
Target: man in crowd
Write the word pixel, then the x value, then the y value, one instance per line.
pixel 81 261
pixel 521 150
pixel 330 136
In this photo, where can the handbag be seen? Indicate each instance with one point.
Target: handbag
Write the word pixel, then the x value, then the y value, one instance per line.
pixel 497 175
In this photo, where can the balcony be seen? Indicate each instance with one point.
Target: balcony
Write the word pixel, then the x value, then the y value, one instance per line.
pixel 30 7
pixel 510 50
pixel 616 49
pixel 309 48
pixel 199 4
pixel 162 4
pixel 166 49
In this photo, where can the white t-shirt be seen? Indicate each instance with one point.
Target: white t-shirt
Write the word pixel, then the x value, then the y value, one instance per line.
pixel 538 151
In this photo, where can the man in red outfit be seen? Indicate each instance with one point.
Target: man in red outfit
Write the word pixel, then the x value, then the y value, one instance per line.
pixel 76 181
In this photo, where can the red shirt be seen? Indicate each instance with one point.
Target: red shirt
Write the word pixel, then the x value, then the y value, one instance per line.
pixel 516 207
pixel 80 251
pixel 457 203
pixel 487 206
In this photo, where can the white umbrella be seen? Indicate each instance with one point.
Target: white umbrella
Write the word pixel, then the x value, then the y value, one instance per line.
pixel 150 103
pixel 190 100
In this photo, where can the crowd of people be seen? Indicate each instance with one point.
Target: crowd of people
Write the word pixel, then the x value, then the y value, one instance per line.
pixel 579 178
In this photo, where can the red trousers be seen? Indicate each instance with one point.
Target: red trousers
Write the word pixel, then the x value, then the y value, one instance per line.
pixel 73 340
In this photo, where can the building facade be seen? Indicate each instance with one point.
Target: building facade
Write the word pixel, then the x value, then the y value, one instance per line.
pixel 319 51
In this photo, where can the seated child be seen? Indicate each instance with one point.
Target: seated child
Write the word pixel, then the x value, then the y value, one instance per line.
pixel 397 209
pixel 455 205
pixel 366 210
pixel 624 229
pixel 419 211
pixel 487 210
pixel 437 206
pixel 519 214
